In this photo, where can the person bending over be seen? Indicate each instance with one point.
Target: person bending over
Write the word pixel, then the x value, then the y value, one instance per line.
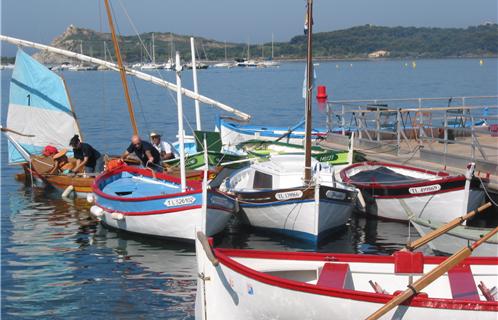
pixel 86 156
pixel 146 152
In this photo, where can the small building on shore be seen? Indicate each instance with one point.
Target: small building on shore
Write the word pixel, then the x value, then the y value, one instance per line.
pixel 379 54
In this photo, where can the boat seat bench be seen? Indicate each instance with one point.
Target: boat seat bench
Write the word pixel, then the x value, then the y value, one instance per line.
pixel 335 276
pixel 462 283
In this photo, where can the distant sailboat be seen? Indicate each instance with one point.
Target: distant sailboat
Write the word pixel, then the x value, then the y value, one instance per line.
pixel 152 65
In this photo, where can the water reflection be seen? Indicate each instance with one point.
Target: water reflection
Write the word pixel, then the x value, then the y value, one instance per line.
pixel 57 260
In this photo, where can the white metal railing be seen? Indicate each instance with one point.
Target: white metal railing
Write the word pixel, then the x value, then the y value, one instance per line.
pixel 400 121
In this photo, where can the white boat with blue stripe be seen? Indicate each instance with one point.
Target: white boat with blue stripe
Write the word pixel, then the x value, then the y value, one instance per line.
pixel 140 201
pixel 273 196
pixel 233 133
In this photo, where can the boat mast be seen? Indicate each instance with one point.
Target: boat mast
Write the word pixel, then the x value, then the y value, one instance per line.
pixel 226 51
pixel 122 70
pixel 309 89
pixel 272 45
pixel 179 102
pixel 196 88
pixel 153 50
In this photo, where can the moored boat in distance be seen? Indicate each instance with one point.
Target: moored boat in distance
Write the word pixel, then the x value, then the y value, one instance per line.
pixel 395 192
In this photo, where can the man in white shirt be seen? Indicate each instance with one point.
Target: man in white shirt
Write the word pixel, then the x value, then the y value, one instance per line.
pixel 165 148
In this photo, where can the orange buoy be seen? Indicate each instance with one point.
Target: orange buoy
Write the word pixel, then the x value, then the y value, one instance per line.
pixel 321 93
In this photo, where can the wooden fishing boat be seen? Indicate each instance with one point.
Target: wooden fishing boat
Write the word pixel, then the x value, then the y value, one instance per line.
pixel 393 191
pixel 456 238
pixel 294 194
pixel 265 148
pixel 272 195
pixel 233 133
pixel 140 201
pixel 251 284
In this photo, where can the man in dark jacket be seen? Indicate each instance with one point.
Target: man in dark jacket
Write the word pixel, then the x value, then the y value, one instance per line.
pixel 146 152
pixel 86 156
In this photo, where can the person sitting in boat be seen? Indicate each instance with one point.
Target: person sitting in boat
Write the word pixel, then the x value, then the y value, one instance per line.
pixel 146 152
pixel 86 156
pixel 62 164
pixel 166 150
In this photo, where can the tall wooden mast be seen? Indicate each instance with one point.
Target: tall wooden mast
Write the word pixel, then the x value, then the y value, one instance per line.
pixel 309 91
pixel 122 70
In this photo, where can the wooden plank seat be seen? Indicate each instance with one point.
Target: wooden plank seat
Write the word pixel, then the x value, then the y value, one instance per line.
pixel 462 283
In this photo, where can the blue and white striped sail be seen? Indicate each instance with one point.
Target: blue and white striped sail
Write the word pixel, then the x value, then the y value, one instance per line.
pixel 38 105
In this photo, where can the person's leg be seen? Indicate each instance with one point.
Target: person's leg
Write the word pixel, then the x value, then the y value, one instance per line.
pixel 99 165
pixel 89 169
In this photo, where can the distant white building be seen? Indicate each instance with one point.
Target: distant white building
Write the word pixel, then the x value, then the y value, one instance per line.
pixel 379 54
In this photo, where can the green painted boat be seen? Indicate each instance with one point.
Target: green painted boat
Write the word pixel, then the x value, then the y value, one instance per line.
pixel 263 149
pixel 196 160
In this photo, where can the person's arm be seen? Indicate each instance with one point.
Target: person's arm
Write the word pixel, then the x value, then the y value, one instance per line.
pixel 149 156
pixel 55 168
pixel 80 164
pixel 125 155
pixel 166 151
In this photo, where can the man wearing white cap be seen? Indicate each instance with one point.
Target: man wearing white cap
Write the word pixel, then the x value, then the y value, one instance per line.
pixel 165 148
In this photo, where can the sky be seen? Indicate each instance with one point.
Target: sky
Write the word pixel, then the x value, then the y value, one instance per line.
pixel 251 21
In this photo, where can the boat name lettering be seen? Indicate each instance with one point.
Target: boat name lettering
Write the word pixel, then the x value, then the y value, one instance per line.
pixel 335 195
pixel 425 189
pixel 179 201
pixel 289 195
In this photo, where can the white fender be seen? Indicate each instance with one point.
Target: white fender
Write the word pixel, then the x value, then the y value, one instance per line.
pixel 90 198
pixel 97 211
pixel 359 195
pixel 67 191
pixel 117 216
pixel 468 176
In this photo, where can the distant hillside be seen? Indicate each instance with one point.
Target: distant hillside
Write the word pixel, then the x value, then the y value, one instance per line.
pixel 352 43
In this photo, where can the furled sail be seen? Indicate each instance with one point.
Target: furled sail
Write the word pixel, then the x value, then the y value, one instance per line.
pixel 39 111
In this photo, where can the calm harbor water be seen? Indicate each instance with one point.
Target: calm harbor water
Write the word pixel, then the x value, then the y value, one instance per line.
pixel 58 263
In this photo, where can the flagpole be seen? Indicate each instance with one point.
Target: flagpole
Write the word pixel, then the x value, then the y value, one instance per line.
pixel 309 89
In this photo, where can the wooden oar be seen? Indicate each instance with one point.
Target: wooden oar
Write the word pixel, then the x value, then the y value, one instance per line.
pixel 430 277
pixel 444 228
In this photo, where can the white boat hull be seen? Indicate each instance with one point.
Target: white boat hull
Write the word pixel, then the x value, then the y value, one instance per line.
pixel 300 219
pixel 232 138
pixel 441 206
pixel 177 225
pixel 286 288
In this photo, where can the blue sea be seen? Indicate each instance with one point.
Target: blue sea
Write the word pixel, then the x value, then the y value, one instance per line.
pixel 59 263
